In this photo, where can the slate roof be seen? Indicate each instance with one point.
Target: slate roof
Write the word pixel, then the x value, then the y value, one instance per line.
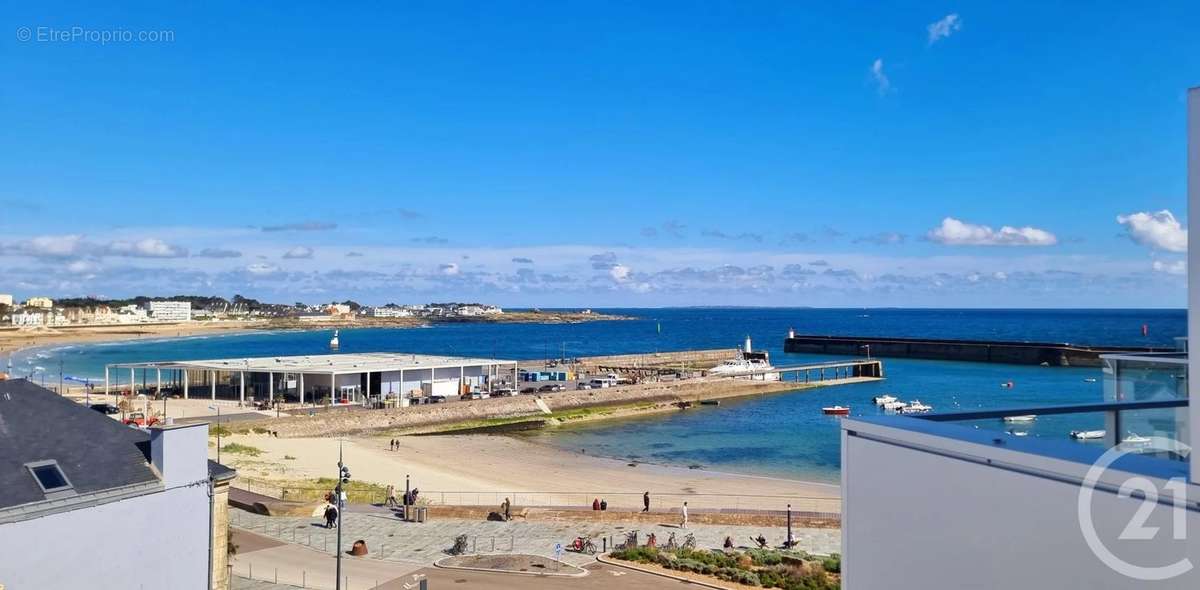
pixel 94 451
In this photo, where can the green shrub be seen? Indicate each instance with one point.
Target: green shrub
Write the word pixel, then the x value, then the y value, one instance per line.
pixel 833 563
pixel 240 449
pixel 215 430
pixel 765 556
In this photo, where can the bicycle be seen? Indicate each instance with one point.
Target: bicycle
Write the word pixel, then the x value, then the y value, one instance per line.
pixel 671 545
pixel 582 545
pixel 631 541
pixel 689 542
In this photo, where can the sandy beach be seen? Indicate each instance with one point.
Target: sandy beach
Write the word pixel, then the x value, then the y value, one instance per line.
pixel 12 340
pixel 484 469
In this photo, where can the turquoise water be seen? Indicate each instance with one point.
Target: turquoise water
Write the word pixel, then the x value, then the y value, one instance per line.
pixel 780 435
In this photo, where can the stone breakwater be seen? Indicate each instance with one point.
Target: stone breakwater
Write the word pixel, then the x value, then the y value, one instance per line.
pixel 567 405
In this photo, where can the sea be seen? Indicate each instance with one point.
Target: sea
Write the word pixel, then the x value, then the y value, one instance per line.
pixel 782 435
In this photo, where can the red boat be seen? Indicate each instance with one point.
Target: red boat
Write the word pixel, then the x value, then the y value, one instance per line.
pixel 836 411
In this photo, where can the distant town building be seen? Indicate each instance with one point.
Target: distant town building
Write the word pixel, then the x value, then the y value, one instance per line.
pixel 170 311
pixel 390 312
pixel 6 299
pixel 91 484
pixel 39 302
pixel 337 309
pixel 28 318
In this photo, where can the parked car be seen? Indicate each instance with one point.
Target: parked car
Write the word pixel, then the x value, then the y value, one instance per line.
pixel 551 387
pixel 504 392
pixel 108 409
pixel 529 390
pixel 582 385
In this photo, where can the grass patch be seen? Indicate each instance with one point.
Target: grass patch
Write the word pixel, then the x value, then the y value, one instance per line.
pixel 241 449
pixel 215 430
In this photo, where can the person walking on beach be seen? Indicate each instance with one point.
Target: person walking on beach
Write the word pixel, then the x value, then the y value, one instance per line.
pixel 391 496
pixel 683 524
pixel 507 510
pixel 646 502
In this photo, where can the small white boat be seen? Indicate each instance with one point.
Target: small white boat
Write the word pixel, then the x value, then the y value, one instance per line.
pixel 1087 434
pixel 895 405
pixel 1135 440
pixel 333 342
pixel 1019 432
pixel 836 411
pixel 883 400
pixel 916 407
pixel 1021 419
pixel 1089 380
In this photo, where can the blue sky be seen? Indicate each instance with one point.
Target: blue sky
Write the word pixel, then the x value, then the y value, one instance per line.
pixel 600 153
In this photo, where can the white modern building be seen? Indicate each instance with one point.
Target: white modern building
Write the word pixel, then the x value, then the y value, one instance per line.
pixel 88 502
pixel 390 312
pixel 39 302
pixel 346 378
pixel 961 501
pixel 6 299
pixel 169 311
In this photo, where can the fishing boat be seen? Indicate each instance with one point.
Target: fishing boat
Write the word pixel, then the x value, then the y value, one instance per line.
pixel 883 400
pixel 1021 419
pixel 1087 434
pixel 836 411
pixel 916 407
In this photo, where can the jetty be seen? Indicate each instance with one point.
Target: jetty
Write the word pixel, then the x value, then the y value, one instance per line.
pixel 978 351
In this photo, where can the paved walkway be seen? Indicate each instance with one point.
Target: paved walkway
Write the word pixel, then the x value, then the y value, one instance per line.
pixel 423 543
pixel 266 559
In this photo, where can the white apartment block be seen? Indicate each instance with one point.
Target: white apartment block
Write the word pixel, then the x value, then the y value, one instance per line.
pixel 6 299
pixel 170 311
pixel 39 302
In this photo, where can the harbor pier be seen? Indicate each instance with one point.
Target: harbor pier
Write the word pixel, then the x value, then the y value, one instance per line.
pixel 978 351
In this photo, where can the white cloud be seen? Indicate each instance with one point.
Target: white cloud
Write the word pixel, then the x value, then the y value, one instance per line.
pixel 881 80
pixel 145 248
pixel 299 252
pixel 953 232
pixel 1156 230
pixel 1177 267
pixel 943 28
pixel 619 272
pixel 261 268
pixel 450 269
pixel 1000 275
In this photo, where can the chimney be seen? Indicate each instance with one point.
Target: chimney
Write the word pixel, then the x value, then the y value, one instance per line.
pixel 180 453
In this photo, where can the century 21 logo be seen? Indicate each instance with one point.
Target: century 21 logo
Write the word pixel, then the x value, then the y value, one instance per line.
pixel 1137 529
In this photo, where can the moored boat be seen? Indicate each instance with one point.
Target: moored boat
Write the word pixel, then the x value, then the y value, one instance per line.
pixel 1022 418
pixel 836 411
pixel 1087 434
pixel 883 400
pixel 916 407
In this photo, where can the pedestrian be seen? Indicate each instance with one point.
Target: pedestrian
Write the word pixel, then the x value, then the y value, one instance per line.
pixel 596 504
pixel 603 505
pixel 330 516
pixel 391 496
pixel 683 525
pixel 507 510
pixel 646 502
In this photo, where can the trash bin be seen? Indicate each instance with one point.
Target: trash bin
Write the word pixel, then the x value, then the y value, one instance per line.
pixel 422 513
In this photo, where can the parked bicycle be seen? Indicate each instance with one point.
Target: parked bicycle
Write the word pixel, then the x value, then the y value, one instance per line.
pixel 631 541
pixel 671 545
pixel 582 545
pixel 689 542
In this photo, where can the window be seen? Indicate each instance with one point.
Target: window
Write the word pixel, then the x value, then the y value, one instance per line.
pixel 49 476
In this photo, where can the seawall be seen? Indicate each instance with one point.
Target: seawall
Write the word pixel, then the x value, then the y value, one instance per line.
pixel 978 351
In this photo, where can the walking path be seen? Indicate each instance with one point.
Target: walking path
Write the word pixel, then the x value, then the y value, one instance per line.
pixel 269 560
pixel 421 544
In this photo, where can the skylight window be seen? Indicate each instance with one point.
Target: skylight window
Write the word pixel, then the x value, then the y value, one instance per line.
pixel 49 476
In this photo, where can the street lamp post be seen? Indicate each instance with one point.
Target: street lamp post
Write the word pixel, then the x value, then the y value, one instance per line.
pixel 343 478
pixel 790 541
